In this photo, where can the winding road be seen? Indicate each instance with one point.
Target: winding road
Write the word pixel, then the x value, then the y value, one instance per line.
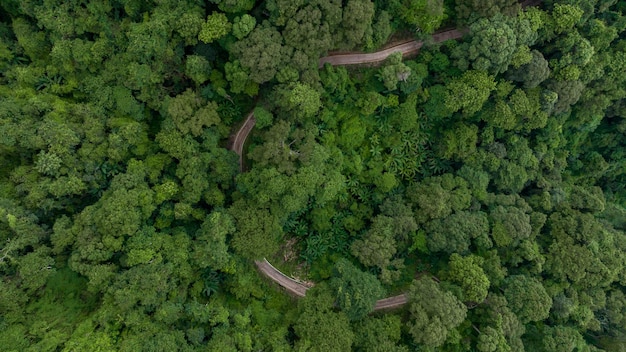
pixel 356 58
pixel 239 139
pixel 299 289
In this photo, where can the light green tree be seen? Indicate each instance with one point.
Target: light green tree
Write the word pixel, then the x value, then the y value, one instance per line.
pixel 394 72
pixel 424 16
pixel 319 327
pixel 467 273
pixel 215 27
pixel 197 68
pixel 469 92
pixel 243 25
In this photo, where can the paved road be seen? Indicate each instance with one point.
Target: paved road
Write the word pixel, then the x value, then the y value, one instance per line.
pixel 285 281
pixel 366 58
pixel 299 289
pixel 239 139
pixel 406 48
pixel 391 302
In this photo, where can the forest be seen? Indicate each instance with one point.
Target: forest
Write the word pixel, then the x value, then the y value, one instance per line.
pixel 482 177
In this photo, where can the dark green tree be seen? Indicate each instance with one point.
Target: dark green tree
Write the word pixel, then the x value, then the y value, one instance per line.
pixel 379 334
pixel 470 11
pixel 469 92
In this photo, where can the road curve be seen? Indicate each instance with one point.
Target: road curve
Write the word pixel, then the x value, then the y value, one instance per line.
pixel 406 48
pixel 299 289
pixel 283 280
pixel 238 140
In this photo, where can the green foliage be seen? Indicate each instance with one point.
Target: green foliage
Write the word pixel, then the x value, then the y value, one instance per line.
pixel 189 25
pixel 357 292
pixel 436 197
pixel 460 142
pixel 33 43
pixel 258 233
pixel 234 6
pixel 565 16
pixel 394 72
pixel 239 79
pixel 260 53
pixel 469 92
pixel 491 340
pixel 558 338
pixel 497 163
pixel 191 113
pixel 467 273
pixel 455 233
pixel 381 30
pixel 434 313
pixel 467 11
pixel 378 246
pixel 197 68
pixel 263 117
pixel 493 45
pixel 242 26
pixel 379 334
pixel 356 22
pixel 509 226
pixel 215 27
pixel 527 298
pixel 532 73
pixel 210 248
pixel 298 100
pixel 87 338
pixel 423 16
pixel 319 328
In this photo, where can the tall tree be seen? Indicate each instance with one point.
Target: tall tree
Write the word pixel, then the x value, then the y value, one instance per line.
pixel 357 291
pixel 261 52
pixel 319 328
pixel 467 273
pixel 423 16
pixel 527 298
pixel 469 92
pixel 434 313
pixel 215 27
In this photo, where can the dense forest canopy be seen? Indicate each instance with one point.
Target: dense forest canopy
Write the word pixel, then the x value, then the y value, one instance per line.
pixel 484 177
